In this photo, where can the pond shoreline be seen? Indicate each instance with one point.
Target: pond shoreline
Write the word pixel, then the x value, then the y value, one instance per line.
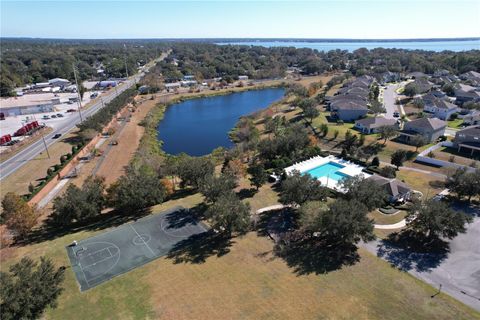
pixel 211 126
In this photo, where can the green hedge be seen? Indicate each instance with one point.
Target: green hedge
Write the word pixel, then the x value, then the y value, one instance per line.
pixel 103 116
pixel 53 170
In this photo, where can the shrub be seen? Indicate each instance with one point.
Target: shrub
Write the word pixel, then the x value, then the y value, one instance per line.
pixel 49 172
pixel 375 162
pixel 388 172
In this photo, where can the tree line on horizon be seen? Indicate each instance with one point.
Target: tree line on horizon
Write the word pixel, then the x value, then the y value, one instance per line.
pixel 35 60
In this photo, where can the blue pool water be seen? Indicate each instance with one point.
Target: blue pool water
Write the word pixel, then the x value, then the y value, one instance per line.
pixel 329 169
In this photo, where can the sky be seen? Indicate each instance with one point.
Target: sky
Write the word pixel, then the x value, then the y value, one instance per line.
pixel 360 19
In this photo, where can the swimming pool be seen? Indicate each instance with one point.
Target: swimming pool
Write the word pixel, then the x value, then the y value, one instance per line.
pixel 329 169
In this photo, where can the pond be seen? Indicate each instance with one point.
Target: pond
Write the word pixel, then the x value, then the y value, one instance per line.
pixel 198 126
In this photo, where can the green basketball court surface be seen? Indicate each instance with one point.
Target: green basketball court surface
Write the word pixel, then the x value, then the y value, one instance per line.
pixel 100 258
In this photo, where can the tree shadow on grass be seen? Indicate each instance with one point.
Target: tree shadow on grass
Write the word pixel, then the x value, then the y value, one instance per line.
pixel 50 231
pixel 246 193
pixel 181 218
pixel 307 256
pixel 276 223
pixel 410 251
pixel 198 247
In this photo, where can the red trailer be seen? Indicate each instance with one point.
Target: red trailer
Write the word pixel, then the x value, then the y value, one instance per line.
pixel 20 132
pixel 5 139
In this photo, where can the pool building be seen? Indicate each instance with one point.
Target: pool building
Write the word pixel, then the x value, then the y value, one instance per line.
pixel 329 170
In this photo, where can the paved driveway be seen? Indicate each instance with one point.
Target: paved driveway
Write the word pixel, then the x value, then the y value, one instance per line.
pixel 458 271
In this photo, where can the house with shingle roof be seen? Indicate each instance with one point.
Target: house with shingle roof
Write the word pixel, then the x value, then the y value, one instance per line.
pixel 429 128
pixel 373 125
pixel 468 138
pixel 440 108
pixel 472 118
pixel 397 191
pixel 349 110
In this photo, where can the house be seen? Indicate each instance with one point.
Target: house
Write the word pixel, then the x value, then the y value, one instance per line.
pixel 172 86
pixel 188 78
pixel 422 85
pixel 441 73
pixel 468 138
pixel 59 82
pixel 416 75
pixel 471 76
pixel 349 111
pixel 397 191
pixel 350 102
pixel 440 108
pixel 372 125
pixel 472 118
pixel 389 76
pixel 429 128
pixel 465 93
pixel 242 78
pixel 188 83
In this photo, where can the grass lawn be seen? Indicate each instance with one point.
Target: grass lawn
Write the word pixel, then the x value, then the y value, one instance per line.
pixel 241 281
pixel 36 169
pixel 332 126
pixel 455 123
pixel 426 184
pixel 247 283
pixel 381 218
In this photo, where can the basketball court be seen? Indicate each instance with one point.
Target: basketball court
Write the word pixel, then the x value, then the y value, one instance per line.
pixel 98 259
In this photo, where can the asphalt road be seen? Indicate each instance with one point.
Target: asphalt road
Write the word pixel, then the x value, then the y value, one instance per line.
pixel 458 272
pixel 12 164
pixel 18 160
pixel 389 97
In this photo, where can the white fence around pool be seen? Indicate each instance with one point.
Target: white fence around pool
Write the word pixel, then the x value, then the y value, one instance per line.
pixel 349 169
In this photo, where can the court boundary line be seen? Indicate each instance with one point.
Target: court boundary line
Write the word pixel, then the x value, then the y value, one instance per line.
pixel 111 267
pixel 131 226
pixel 89 285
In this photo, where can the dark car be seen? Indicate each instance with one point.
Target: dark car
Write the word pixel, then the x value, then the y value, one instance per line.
pixel 59 115
pixel 57 135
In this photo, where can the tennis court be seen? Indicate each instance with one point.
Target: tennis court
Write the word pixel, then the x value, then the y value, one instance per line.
pixel 98 259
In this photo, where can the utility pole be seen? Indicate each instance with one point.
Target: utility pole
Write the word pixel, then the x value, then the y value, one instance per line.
pixel 126 69
pixel 79 98
pixel 43 138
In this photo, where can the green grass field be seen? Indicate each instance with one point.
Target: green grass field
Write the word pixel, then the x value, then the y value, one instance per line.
pixel 243 281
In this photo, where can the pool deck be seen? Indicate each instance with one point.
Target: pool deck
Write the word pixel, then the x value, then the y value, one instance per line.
pixel 349 169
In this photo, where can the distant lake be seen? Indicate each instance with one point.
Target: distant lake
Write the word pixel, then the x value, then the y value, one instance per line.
pixel 452 45
pixel 198 126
